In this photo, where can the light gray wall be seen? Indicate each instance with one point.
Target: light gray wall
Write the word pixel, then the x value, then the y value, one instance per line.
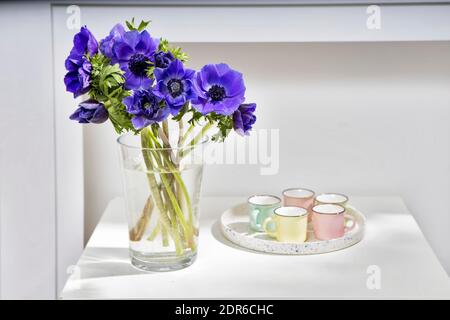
pixel 358 118
pixel 27 153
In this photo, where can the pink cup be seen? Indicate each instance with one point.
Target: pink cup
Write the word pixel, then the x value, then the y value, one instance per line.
pixel 329 221
pixel 297 197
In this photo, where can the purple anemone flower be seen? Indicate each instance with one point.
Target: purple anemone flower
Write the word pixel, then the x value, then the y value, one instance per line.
pixel 146 108
pixel 162 59
pixel 106 45
pixel 78 77
pixel 174 84
pixel 90 111
pixel 134 53
pixel 219 89
pixel 244 118
pixel 84 42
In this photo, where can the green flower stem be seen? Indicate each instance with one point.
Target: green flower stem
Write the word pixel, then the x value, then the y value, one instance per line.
pixel 156 194
pixel 180 132
pixel 165 127
pixel 196 140
pixel 164 228
pixel 180 140
pixel 164 198
pixel 155 232
pixel 176 174
pixel 174 203
pixel 186 135
pixel 184 192
pixel 168 191
pixel 183 189
pixel 138 230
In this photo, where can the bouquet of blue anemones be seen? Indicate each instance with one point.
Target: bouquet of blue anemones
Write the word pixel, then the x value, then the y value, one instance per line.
pixel 140 83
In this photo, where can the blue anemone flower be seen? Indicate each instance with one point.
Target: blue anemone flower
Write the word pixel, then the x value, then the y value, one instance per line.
pixel 162 59
pixel 77 79
pixel 134 51
pixel 107 44
pixel 174 84
pixel 244 118
pixel 146 108
pixel 219 89
pixel 84 42
pixel 90 111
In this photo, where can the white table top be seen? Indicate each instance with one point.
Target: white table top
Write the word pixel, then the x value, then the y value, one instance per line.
pixel 393 242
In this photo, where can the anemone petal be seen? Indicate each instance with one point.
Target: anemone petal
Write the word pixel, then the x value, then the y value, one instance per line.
pixel 123 51
pixel 132 81
pixel 146 44
pixel 158 73
pixel 233 83
pixel 132 38
pixel 208 76
pixel 140 122
pixel 175 69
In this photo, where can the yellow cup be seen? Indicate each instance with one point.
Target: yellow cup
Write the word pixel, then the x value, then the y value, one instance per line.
pixel 287 224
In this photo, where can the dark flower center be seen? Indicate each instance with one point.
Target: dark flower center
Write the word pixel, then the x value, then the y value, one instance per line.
pixel 216 93
pixel 175 87
pixel 149 101
pixel 149 104
pixel 138 64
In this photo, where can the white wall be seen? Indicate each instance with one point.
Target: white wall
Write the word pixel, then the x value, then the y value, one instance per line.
pixel 27 153
pixel 359 118
pixel 69 156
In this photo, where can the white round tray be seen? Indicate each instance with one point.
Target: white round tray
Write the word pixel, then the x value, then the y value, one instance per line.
pixel 235 227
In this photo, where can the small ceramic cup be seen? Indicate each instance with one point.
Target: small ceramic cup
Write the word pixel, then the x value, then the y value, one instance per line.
pixel 332 198
pixel 298 197
pixel 287 224
pixel 330 221
pixel 261 207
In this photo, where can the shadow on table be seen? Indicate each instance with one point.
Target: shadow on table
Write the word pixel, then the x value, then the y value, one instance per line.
pixel 100 262
pixel 218 235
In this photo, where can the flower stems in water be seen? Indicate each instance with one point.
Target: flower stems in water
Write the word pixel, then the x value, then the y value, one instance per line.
pixel 168 190
pixel 145 142
pixel 138 231
pixel 196 140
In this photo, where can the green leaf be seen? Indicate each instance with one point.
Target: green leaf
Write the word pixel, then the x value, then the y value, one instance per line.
pixel 143 25
pixel 163 45
pixel 149 71
pixel 182 112
pixel 130 25
pixel 106 80
pixel 177 52
pixel 223 123
pixel 196 116
pixel 120 118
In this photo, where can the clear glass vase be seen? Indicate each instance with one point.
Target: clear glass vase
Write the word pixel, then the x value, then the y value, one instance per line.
pixel 162 192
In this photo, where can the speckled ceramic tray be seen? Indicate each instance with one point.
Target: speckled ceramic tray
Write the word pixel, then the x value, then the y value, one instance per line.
pixel 235 227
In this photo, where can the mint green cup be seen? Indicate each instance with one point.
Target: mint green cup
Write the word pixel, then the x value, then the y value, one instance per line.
pixel 261 207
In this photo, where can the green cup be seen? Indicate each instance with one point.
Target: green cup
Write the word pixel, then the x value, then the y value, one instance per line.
pixel 261 207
